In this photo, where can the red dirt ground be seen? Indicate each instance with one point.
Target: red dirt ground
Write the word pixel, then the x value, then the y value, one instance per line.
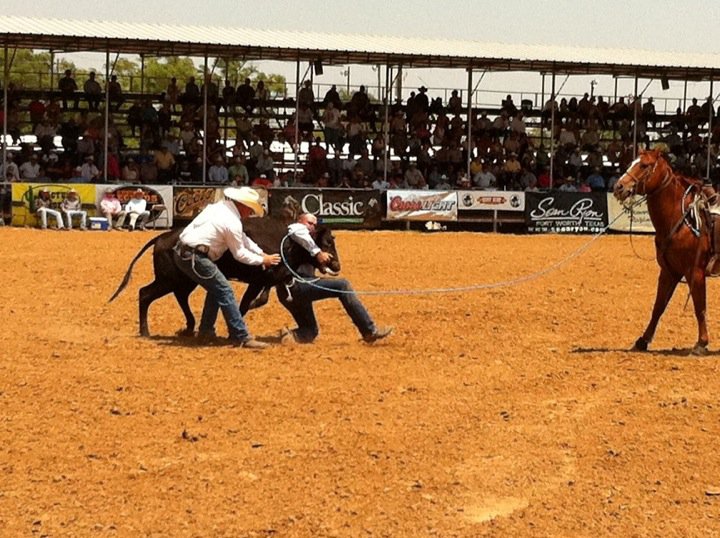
pixel 515 411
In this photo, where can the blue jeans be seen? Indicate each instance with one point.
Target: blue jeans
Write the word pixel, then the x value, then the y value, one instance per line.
pixel 302 296
pixel 202 270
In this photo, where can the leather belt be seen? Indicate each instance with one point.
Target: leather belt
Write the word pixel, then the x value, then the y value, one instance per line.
pixel 187 249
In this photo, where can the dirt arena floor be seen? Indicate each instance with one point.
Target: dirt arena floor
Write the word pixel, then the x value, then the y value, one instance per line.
pixel 515 411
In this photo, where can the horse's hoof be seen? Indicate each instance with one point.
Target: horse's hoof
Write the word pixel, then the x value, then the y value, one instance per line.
pixel 185 332
pixel 640 345
pixel 699 350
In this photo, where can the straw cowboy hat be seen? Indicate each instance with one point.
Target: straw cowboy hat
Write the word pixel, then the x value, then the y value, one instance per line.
pixel 247 197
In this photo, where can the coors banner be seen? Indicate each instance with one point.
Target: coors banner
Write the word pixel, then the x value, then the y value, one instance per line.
pixel 345 208
pixel 565 212
pixel 422 205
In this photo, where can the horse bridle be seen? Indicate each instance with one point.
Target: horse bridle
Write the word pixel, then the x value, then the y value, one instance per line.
pixel 638 181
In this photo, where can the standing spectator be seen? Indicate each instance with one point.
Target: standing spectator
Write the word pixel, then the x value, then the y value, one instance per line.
pixel 331 122
pixel 332 96
pixel 191 96
pixel 228 97
pixel 30 169
pixel 172 93
pixel 45 134
pixel 110 207
pixel 116 93
pixel 244 96
pixel 262 96
pixel 43 208
pixel 306 96
pixel 68 87
pixel 93 92
pixel 72 207
pixel 136 208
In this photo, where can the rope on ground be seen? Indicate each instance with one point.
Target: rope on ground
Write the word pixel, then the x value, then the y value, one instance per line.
pixel 474 287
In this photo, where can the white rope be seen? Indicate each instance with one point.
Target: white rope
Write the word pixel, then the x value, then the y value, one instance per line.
pixel 474 287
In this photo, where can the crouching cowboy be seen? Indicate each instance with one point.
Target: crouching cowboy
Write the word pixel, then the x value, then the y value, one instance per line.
pixel 299 299
pixel 216 229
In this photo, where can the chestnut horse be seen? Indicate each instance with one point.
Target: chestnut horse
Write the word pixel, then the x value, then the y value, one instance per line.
pixel 676 205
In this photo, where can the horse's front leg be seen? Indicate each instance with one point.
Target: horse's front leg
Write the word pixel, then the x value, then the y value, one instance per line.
pixel 667 282
pixel 696 278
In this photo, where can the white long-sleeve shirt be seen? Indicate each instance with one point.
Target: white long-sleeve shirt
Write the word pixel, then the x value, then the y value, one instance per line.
pixel 301 235
pixel 219 227
pixel 136 205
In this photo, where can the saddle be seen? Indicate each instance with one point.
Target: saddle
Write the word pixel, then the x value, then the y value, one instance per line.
pixel 712 212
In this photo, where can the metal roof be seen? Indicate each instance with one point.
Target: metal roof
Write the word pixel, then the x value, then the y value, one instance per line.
pixel 284 45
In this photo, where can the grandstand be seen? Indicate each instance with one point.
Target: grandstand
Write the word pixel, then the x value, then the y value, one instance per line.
pixel 558 141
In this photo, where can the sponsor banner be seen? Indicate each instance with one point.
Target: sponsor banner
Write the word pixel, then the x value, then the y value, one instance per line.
pixel 637 220
pixel 422 205
pixel 153 194
pixel 347 208
pixel 565 212
pixel 491 200
pixel 189 201
pixel 6 202
pixel 24 194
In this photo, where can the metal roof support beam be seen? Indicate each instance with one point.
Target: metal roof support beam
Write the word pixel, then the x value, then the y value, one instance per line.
pixel 142 73
pixel 709 130
pixel 553 98
pixel 205 133
pixel 107 116
pixel 5 81
pixel 386 126
pixel 635 118
pixel 469 143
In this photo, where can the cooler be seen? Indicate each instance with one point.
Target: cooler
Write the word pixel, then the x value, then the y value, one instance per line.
pixel 98 223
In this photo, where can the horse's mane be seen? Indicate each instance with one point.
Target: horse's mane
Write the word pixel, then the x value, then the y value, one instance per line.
pixel 689 181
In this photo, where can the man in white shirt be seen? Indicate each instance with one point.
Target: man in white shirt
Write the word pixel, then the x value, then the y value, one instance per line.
pixel 30 169
pixel 300 302
pixel 72 207
pixel 10 172
pixel 216 229
pixel 136 207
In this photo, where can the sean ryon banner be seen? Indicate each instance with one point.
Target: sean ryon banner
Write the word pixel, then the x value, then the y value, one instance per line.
pixel 491 200
pixel 565 212
pixel 422 205
pixel 637 220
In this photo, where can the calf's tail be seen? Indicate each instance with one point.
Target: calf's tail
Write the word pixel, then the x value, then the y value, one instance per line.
pixel 126 280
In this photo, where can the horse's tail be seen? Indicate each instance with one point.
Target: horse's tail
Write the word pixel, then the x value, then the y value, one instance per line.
pixel 126 280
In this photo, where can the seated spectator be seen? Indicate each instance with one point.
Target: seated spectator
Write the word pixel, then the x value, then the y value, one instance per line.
pixel 414 178
pixel 484 179
pixel 217 173
pixel 10 172
pixel 93 92
pixel 306 96
pixel 44 207
pixel 111 208
pixel 165 163
pixel 72 207
pixel 130 172
pixel 30 170
pixel 136 208
pixel 45 133
pixel 265 164
pixel 238 172
pixel 68 87
pixel 244 128
pixel 596 181
pixel 262 181
pixel 36 109
pixel 88 170
pixel 380 184
pixel 443 184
